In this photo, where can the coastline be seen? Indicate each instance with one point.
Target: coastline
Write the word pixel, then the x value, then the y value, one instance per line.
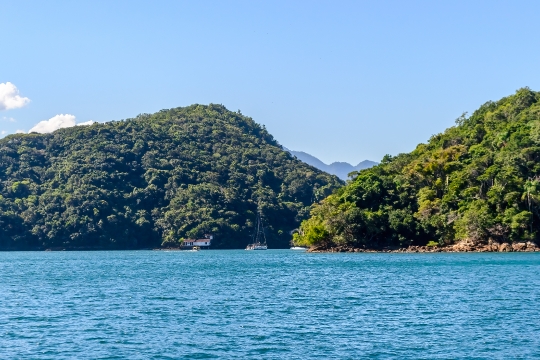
pixel 464 246
pixel 459 247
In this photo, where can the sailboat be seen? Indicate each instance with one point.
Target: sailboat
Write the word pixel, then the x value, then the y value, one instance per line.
pixel 259 238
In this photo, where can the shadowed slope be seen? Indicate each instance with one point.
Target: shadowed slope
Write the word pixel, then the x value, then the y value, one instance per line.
pixel 150 180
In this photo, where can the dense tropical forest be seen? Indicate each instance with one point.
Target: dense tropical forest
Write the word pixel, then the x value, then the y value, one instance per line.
pixel 477 181
pixel 152 181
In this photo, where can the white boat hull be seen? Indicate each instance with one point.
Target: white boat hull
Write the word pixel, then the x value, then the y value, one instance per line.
pixel 257 247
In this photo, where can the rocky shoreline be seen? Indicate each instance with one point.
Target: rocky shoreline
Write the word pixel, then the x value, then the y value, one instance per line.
pixel 459 247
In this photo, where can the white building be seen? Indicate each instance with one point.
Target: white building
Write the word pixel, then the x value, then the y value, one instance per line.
pixel 203 243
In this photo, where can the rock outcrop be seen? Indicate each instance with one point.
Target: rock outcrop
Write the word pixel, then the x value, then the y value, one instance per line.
pixel 464 246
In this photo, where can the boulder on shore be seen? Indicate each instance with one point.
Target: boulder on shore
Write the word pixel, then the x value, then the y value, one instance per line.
pixel 464 246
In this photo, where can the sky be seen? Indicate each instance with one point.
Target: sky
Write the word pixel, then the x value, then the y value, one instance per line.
pixel 341 80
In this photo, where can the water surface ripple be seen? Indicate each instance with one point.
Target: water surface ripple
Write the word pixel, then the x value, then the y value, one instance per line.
pixel 272 304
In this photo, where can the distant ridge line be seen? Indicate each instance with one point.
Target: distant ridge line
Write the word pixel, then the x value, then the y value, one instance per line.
pixel 338 168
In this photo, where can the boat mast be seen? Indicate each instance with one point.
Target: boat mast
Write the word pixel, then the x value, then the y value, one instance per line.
pixel 257 244
pixel 260 227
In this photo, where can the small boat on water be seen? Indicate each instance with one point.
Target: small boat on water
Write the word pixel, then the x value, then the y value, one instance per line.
pixel 257 246
pixel 196 248
pixel 298 248
pixel 259 238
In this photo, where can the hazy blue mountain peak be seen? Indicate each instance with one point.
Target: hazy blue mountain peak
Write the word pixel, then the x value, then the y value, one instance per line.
pixel 338 168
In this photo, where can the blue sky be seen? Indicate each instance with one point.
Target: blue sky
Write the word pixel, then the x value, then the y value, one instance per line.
pixel 342 80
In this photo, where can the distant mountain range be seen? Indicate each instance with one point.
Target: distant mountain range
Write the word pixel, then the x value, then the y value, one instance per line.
pixel 340 169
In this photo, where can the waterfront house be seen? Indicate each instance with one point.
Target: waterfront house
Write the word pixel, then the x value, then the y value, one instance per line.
pixel 203 243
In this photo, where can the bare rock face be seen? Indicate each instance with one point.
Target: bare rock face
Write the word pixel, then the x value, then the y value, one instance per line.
pixel 505 247
pixel 493 247
pixel 462 246
pixel 486 248
pixel 519 246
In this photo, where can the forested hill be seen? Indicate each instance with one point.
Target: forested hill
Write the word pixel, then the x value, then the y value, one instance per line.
pixel 478 181
pixel 153 180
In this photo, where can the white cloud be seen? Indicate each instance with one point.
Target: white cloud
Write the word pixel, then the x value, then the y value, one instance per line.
pixel 3 132
pixel 86 123
pixel 10 119
pixel 56 122
pixel 20 132
pixel 10 98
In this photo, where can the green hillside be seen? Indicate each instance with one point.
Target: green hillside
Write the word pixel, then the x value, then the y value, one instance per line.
pixel 477 181
pixel 153 180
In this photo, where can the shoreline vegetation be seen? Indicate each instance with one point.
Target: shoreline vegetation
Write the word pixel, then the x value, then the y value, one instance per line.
pixel 464 246
pixel 473 187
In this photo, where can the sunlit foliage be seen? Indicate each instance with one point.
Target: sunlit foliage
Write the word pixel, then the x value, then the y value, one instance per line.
pixel 478 180
pixel 155 179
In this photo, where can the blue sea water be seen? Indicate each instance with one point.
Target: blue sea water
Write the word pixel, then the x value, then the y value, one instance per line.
pixel 276 304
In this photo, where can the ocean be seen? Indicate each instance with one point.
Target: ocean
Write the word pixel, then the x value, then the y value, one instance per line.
pixel 275 304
